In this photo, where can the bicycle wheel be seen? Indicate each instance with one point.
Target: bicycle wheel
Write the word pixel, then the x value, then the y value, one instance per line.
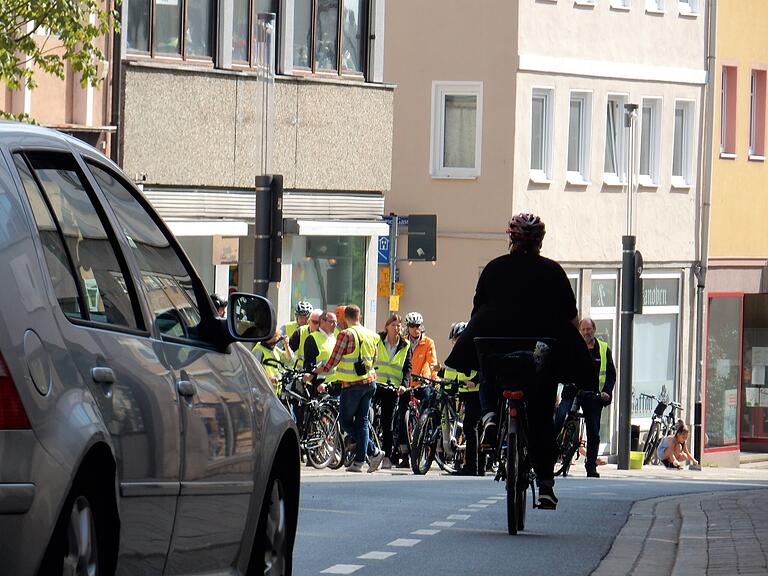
pixel 522 482
pixel 567 444
pixel 320 438
pixel 513 508
pixel 337 461
pixel 423 447
pixel 651 442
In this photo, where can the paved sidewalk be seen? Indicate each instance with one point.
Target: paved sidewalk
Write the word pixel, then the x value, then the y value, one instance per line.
pixel 721 533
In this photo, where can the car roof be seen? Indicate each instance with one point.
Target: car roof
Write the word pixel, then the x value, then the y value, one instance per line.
pixel 12 132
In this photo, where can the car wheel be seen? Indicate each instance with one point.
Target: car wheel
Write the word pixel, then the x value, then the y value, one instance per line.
pixel 273 535
pixel 81 556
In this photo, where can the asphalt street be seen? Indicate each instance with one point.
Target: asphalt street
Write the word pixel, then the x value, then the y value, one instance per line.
pixel 406 525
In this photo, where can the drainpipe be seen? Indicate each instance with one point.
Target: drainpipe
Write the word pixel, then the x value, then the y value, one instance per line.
pixel 118 49
pixel 700 268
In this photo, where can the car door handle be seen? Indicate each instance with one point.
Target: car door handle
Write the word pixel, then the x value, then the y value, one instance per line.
pixel 103 375
pixel 185 388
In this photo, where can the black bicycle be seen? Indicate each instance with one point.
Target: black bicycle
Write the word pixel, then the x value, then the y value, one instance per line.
pixel 439 434
pixel 661 425
pixel 515 365
pixel 570 437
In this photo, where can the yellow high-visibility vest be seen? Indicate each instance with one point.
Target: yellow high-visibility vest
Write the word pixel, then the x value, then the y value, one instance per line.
pixel 365 349
pixel 390 370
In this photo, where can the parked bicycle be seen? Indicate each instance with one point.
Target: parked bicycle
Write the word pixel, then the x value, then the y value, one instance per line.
pixel 515 364
pixel 571 435
pixel 661 425
pixel 439 434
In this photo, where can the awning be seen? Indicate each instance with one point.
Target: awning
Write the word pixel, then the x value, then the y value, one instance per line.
pixel 341 228
pixel 202 228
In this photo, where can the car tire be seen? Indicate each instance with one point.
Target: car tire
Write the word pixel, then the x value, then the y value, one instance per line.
pixel 273 546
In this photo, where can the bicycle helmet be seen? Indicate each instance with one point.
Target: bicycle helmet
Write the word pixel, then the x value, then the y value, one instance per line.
pixel 526 231
pixel 414 319
pixel 303 308
pixel 218 301
pixel 456 329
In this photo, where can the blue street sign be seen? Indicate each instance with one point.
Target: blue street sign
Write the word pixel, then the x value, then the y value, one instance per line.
pixel 383 250
pixel 401 220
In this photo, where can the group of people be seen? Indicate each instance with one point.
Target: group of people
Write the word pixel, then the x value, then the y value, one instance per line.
pixel 519 294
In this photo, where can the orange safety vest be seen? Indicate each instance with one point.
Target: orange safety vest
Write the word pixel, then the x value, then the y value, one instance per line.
pixel 424 359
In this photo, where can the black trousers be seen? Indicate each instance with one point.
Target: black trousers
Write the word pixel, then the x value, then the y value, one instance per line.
pixel 387 398
pixel 473 461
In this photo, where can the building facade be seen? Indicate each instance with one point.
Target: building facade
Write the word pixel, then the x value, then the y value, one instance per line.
pixel 530 119
pixel 198 124
pixel 736 338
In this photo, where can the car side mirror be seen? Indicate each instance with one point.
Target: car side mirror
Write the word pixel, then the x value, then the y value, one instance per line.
pixel 250 318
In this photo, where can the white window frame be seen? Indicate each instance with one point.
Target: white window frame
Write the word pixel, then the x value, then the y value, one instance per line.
pixel 576 275
pixel 544 174
pixel 688 7
pixel 754 107
pixel 654 6
pixel 581 176
pixel 619 177
pixel 624 5
pixel 725 80
pixel 440 90
pixel 685 179
pixel 652 179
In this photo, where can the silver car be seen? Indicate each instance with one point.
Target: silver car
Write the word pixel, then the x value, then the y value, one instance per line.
pixel 137 434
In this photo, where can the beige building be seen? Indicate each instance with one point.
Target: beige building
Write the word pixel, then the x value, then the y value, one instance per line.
pixel 194 125
pixel 518 106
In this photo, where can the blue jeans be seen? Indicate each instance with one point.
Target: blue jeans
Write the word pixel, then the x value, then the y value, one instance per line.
pixel 592 408
pixel 354 405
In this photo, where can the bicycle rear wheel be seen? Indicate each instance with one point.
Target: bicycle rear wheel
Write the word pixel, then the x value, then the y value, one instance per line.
pixel 320 437
pixel 567 444
pixel 513 492
pixel 651 443
pixel 522 483
pixel 423 447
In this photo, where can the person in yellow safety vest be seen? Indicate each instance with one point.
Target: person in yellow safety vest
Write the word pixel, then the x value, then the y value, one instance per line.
pixel 318 349
pixel 269 349
pixel 303 310
pixel 299 338
pixel 592 407
pixel 474 460
pixel 353 357
pixel 393 373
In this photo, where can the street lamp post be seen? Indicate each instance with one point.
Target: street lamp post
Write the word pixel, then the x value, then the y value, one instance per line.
pixel 628 274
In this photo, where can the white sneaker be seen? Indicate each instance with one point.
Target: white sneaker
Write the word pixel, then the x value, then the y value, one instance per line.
pixel 386 464
pixel 375 461
pixel 355 467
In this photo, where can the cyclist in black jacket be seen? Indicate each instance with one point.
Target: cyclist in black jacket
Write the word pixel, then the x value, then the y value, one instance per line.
pixel 524 294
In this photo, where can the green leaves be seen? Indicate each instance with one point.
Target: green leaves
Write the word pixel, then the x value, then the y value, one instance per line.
pixel 46 35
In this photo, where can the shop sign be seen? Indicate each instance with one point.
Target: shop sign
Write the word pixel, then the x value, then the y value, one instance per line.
pixel 225 250
pixel 661 292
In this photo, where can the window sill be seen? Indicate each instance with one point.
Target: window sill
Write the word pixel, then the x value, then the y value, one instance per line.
pixel 727 156
pixel 577 180
pixel 539 178
pixel 689 15
pixel 680 184
pixel 584 3
pixel 655 11
pixel 645 182
pixel 620 8
pixel 756 158
pixel 613 181
pixel 454 176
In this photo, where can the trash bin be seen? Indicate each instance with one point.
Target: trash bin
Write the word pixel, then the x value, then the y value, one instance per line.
pixel 634 438
pixel 636 460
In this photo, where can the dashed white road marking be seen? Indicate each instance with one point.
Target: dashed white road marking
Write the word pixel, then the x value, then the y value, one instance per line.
pixel 459 517
pixel 487 501
pixel 497 498
pixel 425 532
pixel 442 524
pixel 342 569
pixel 404 542
pixel 469 509
pixel 376 555
pixel 477 506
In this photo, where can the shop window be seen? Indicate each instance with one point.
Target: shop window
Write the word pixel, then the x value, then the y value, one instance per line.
pixel 171 28
pixel 723 371
pixel 329 36
pixel 754 373
pixel 329 271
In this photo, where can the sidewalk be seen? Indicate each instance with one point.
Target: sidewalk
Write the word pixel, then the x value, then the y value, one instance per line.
pixel 720 533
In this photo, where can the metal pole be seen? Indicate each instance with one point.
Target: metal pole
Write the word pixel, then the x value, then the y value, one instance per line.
pixel 392 256
pixel 627 300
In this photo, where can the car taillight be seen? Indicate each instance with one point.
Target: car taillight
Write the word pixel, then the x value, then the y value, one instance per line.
pixel 12 413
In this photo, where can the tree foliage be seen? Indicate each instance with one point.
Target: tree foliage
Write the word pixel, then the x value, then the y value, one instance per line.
pixel 46 35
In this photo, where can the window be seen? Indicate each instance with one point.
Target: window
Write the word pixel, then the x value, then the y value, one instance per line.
pixel 650 141
pixel 457 111
pixel 614 163
pixel 579 127
pixel 329 36
pixel 244 28
pixel 155 27
pixel 167 283
pixel 688 7
pixel 728 112
pixel 75 238
pixel 757 115
pixel 682 148
pixel 654 5
pixel 541 133
pixel 621 4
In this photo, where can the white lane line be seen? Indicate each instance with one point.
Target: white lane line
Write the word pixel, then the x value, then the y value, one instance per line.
pixel 404 542
pixel 459 517
pixel 486 501
pixel 477 506
pixel 469 509
pixel 442 524
pixel 376 555
pixel 497 498
pixel 425 532
pixel 342 569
